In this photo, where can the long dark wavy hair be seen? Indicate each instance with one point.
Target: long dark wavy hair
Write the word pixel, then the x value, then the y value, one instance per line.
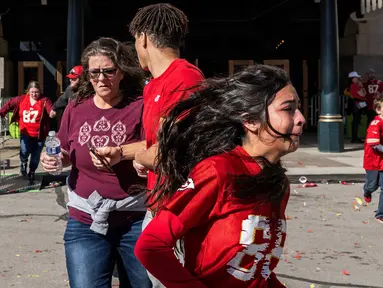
pixel 123 57
pixel 210 122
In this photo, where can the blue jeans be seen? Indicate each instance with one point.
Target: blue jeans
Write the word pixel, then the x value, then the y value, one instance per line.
pixel 374 180
pixel 90 257
pixel 30 146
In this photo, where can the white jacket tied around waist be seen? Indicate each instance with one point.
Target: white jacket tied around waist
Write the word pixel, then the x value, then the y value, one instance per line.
pixel 99 207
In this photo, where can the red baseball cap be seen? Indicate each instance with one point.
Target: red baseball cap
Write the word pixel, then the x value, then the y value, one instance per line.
pixel 75 72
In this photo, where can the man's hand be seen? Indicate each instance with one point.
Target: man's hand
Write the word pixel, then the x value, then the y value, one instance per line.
pixel 141 170
pixel 52 114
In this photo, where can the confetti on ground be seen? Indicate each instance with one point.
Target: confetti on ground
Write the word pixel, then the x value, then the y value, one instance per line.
pixel 295 192
pixel 365 222
pixel 23 220
pixel 312 286
pixel 338 214
pixel 304 203
pixel 356 207
pixel 34 275
pixel 54 184
pixel 324 181
pixel 359 201
pixel 310 231
pixel 288 218
pixel 297 256
pixel 37 251
pixel 300 163
pixel 346 183
pixel 307 185
pixel 46 271
pixel 345 272
pixel 17 255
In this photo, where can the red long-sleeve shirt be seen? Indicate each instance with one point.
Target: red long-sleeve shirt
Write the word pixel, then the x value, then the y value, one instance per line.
pixel 227 242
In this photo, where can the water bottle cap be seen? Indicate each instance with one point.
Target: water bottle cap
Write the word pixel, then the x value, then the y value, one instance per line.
pixel 52 133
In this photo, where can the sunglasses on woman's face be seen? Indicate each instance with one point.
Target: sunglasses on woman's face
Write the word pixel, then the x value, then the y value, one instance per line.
pixel 108 73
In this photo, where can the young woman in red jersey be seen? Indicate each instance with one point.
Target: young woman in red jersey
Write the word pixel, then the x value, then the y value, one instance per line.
pixel 221 186
pixel 31 111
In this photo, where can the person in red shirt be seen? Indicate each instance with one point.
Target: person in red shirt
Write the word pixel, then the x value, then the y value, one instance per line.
pixel 31 111
pixel 221 187
pixel 158 30
pixel 373 87
pixel 105 215
pixel 358 94
pixel 373 158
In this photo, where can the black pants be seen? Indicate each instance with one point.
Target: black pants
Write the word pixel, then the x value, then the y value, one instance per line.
pixel 370 116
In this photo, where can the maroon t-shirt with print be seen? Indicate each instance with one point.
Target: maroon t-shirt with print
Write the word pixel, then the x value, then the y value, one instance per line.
pixel 86 123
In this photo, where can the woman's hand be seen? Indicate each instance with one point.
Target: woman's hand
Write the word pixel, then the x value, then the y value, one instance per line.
pixel 49 163
pixel 112 155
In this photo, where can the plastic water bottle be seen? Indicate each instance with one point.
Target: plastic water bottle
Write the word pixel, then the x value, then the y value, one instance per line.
pixel 53 149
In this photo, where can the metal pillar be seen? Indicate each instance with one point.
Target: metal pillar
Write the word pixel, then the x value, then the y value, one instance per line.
pixel 330 132
pixel 75 34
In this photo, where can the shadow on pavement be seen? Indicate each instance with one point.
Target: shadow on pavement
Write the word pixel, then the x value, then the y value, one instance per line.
pixel 329 284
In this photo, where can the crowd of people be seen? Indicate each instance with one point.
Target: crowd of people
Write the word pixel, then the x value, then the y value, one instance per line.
pixel 362 93
pixel 182 165
pixel 177 180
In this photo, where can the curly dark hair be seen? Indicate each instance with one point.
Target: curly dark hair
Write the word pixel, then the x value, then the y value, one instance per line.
pixel 123 57
pixel 210 122
pixel 165 24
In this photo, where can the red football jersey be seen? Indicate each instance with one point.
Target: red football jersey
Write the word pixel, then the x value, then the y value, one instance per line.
pixel 162 93
pixel 227 242
pixel 373 160
pixel 30 116
pixel 372 87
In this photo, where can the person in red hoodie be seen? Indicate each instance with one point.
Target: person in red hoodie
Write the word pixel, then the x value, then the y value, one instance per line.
pixel 31 111
pixel 221 187
pixel 373 158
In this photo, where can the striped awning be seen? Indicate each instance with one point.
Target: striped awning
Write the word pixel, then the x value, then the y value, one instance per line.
pixel 367 6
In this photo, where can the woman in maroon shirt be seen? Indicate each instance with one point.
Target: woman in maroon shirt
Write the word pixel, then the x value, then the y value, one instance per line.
pixel 104 218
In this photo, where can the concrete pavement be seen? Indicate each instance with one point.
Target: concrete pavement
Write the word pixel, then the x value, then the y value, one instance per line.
pixel 326 237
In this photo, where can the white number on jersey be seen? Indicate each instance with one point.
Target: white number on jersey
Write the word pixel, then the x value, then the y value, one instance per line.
pixel 250 226
pixel 374 122
pixel 30 116
pixel 373 89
